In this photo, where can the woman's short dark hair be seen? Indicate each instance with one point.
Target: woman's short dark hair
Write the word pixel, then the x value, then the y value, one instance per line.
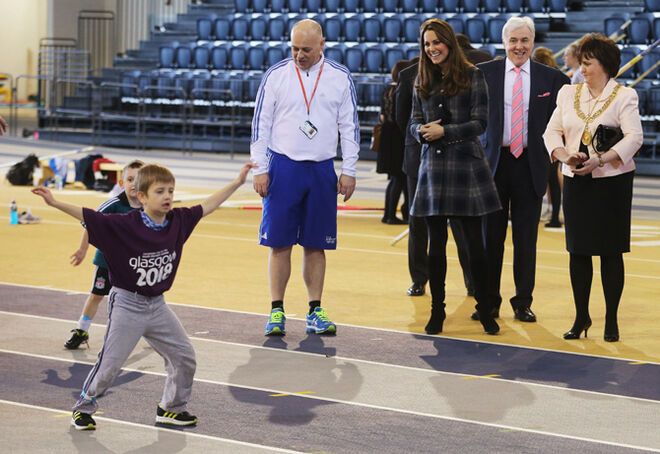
pixel 600 47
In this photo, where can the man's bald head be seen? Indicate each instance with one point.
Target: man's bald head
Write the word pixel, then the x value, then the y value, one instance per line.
pixel 306 43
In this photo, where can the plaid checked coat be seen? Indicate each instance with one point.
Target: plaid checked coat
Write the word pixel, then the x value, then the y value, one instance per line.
pixel 454 176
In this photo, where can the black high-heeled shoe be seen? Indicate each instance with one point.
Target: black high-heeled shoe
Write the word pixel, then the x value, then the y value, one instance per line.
pixel 434 326
pixel 611 333
pixel 576 331
pixel 488 322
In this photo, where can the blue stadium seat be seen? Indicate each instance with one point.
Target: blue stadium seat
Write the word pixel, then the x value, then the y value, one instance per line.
pixel 352 28
pixel 183 84
pixel 390 6
pixel 495 26
pixel 627 54
pixel 557 6
pixel 654 100
pixel 239 28
pixel 314 6
pixel 430 6
pixel 201 82
pixel 643 88
pixel 334 52
pixel 127 79
pixel 353 59
pixel 259 6
pixel 166 57
pixel 410 6
pixel 457 23
pixel 164 81
pixel 450 6
pixel 252 82
pixel 237 57
pixel 513 6
pixel 490 48
pixel 372 30
pixel 204 29
pixel 471 6
pixel 475 29
pixel 291 21
pixel 219 57
pixel 331 6
pixel 614 22
pixel 639 29
pixel 412 52
pixel 258 27
pixel 235 84
pixel 656 29
pixel 274 55
pixel 333 28
pixel 392 28
pixel 277 28
pixel 535 6
pixel 241 6
pixel 411 27
pixel 222 27
pixel 350 6
pixel 183 57
pixel 277 6
pixel 373 91
pixel 201 56
pixel 492 6
pixel 393 55
pixel 647 62
pixel 295 6
pixel 373 59
pixel 652 5
pixel 370 6
pixel 256 58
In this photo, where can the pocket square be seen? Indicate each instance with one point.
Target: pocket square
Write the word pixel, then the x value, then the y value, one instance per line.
pixel 543 95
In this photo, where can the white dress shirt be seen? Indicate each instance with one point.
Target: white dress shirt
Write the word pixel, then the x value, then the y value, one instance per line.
pixel 509 79
pixel 280 110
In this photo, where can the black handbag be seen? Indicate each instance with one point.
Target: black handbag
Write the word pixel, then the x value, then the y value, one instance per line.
pixel 606 137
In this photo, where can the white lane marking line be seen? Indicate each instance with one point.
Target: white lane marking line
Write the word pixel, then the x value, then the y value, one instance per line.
pixel 376 363
pixel 357 404
pixel 386 330
pixel 156 428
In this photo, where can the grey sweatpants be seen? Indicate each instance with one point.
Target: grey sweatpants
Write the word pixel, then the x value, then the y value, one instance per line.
pixel 132 316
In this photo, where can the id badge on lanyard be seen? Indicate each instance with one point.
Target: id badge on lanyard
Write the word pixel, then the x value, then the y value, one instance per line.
pixel 308 127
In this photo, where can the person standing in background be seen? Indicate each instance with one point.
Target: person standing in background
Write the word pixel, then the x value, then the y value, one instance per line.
pixel 522 96
pixel 305 105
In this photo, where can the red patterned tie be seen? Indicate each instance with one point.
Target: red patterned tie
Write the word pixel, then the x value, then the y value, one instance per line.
pixel 517 122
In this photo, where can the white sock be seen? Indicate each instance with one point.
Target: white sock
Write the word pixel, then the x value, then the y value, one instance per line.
pixel 84 323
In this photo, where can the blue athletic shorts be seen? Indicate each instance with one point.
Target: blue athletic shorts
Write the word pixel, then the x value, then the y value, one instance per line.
pixel 301 204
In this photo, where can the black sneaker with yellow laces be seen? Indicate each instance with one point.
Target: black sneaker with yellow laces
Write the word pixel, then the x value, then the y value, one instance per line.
pixel 78 337
pixel 177 419
pixel 83 421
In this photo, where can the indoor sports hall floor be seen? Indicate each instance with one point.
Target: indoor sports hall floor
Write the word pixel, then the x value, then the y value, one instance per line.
pixel 380 385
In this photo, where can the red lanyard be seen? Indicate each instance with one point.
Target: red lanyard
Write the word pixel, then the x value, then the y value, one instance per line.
pixel 316 84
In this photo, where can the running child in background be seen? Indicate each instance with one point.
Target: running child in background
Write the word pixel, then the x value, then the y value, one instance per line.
pixel 123 203
pixel 143 251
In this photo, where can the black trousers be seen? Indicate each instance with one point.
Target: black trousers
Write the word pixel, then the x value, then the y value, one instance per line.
pixel 517 195
pixel 554 190
pixel 418 239
pixel 473 229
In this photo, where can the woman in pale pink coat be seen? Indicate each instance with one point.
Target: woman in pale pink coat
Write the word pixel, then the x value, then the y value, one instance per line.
pixel 598 187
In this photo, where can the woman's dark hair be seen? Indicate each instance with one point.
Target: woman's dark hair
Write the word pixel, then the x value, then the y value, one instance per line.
pixel 397 68
pixel 600 47
pixel 457 69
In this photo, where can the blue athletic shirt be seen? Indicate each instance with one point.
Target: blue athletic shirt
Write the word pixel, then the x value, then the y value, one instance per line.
pixel 140 259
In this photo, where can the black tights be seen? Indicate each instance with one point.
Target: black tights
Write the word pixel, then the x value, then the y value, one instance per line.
pixel 438 258
pixel 612 278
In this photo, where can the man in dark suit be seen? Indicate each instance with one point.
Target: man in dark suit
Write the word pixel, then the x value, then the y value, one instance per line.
pixel 522 97
pixel 418 234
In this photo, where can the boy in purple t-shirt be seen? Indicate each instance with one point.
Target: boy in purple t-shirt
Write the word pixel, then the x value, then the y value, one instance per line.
pixel 143 251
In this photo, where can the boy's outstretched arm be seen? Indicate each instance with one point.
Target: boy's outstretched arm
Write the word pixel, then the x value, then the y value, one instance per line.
pixel 69 209
pixel 216 199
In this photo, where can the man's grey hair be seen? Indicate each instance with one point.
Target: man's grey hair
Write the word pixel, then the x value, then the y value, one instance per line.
pixel 514 24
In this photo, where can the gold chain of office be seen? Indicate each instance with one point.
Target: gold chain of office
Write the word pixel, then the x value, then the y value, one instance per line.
pixel 586 134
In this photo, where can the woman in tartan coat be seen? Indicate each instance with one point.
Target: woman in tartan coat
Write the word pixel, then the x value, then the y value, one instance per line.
pixel 450 111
